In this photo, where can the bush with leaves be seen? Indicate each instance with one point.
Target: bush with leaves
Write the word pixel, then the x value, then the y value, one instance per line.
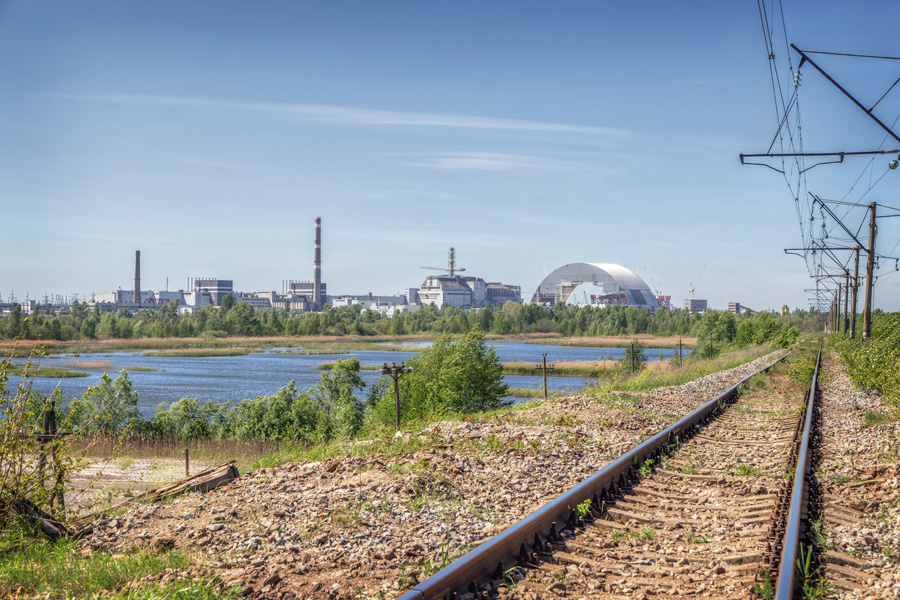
pixel 449 377
pixel 106 408
pixel 875 363
pixel 32 471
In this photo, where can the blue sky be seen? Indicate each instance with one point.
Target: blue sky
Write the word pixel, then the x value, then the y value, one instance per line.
pixel 527 135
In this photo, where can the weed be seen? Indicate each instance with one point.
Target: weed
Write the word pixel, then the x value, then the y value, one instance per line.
pixel 818 535
pixel 584 509
pixel 646 468
pixel 766 589
pixel 745 469
pixel 693 538
pixel 689 467
pixel 813 585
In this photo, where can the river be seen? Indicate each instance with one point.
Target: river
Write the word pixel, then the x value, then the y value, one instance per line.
pixel 235 378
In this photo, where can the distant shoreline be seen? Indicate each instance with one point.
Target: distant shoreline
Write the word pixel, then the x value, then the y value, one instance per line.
pixel 24 348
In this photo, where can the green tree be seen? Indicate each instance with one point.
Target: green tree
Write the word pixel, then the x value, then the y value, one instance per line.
pixel 228 302
pixel 464 376
pixel 105 408
pixel 336 394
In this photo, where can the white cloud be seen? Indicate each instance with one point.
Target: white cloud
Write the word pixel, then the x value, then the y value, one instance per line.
pixel 345 115
pixel 494 161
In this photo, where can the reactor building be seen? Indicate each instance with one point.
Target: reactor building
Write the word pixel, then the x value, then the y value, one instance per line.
pixel 595 284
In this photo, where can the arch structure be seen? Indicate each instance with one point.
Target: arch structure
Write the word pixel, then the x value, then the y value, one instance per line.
pixel 614 285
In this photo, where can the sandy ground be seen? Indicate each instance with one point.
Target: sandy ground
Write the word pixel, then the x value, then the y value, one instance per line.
pixel 105 482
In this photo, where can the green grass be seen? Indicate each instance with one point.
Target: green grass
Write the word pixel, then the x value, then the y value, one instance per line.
pixel 134 369
pixel 38 568
pixel 873 419
pixel 533 393
pixel 674 374
pixel 747 470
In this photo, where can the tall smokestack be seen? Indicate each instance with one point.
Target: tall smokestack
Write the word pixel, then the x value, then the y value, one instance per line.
pixel 137 276
pixel 317 267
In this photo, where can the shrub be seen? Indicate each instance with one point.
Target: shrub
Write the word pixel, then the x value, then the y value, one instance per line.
pixel 458 377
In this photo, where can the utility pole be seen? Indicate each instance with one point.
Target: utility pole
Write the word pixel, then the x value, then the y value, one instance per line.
pixel 855 291
pixel 544 368
pixel 846 297
pixel 396 372
pixel 870 274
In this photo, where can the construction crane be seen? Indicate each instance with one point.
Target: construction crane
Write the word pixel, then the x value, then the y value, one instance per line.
pixel 694 285
pixel 451 268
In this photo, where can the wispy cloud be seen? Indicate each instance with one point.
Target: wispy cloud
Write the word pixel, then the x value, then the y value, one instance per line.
pixel 495 162
pixel 345 115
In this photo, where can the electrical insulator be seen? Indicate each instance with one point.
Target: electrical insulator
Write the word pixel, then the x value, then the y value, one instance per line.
pixel 797 79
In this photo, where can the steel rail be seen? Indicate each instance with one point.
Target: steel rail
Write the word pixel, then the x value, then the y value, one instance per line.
pixel 784 584
pixel 500 552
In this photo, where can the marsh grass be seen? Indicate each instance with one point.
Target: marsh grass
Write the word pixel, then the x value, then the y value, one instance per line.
pixel 569 368
pixel 90 365
pixel 330 366
pixel 46 372
pixel 311 351
pixel 199 353
pixel 613 341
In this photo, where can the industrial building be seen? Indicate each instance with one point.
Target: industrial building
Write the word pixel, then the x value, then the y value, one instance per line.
pixel 601 284
pixel 209 291
pixel 461 292
pixel 693 306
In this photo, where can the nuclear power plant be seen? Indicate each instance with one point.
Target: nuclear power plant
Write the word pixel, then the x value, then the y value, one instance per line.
pixel 210 291
pixel 595 284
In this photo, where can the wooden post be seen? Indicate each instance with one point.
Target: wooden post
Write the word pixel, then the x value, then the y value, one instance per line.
pixel 544 365
pixel 855 290
pixel 187 463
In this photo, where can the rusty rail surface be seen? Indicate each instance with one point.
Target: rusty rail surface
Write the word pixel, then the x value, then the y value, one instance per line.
pixel 520 542
pixel 794 531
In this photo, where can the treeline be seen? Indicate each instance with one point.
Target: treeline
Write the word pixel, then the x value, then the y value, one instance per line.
pixel 875 363
pixel 510 319
pixel 448 378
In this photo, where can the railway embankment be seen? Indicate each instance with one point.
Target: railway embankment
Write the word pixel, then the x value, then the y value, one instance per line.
pixel 373 525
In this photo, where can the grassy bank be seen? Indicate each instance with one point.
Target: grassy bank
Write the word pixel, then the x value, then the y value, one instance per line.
pixel 34 568
pixel 669 372
pixel 569 368
pixel 45 372
pixel 612 341
pixel 21 349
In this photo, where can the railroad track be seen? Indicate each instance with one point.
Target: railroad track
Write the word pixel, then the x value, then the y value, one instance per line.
pixel 703 508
